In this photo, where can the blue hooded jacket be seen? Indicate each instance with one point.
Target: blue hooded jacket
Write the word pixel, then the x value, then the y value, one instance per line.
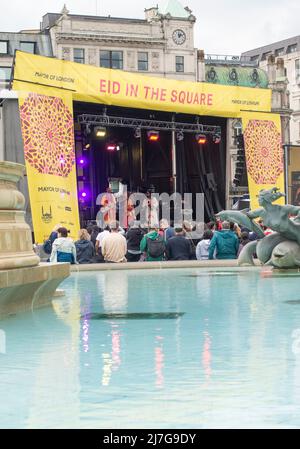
pixel 226 244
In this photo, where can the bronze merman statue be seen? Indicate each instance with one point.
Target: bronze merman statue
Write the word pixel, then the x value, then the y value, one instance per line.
pixel 280 249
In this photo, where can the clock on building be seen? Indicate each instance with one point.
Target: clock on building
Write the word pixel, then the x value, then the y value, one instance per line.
pixel 179 37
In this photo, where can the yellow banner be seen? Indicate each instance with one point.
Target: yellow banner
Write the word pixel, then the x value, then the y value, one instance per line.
pixel 48 137
pixel 116 87
pixel 264 153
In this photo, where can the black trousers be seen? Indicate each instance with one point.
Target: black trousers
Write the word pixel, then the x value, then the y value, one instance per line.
pixel 132 257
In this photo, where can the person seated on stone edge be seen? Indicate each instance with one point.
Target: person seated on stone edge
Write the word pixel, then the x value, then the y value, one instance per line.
pixel 225 243
pixel 63 248
pixel 179 247
pixel 85 249
pixel 114 245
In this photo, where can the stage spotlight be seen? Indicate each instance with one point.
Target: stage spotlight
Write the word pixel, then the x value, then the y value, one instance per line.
pixel 111 147
pixel 216 138
pixel 153 136
pixel 201 139
pixel 87 147
pixel 137 133
pixel 99 131
pixel 180 136
pixel 84 195
pixel 81 161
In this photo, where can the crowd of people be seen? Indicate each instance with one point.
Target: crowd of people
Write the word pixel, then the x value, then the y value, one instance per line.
pixel 113 244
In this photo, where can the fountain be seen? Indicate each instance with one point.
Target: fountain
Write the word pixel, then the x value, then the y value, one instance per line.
pixel 24 282
pixel 281 249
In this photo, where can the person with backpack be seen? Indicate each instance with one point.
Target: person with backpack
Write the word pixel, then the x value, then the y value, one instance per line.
pixel 153 245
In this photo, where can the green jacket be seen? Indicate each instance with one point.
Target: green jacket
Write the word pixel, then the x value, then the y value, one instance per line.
pixel 143 247
pixel 226 244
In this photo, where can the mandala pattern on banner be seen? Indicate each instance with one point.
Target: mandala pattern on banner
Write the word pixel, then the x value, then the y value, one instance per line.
pixel 48 134
pixel 264 154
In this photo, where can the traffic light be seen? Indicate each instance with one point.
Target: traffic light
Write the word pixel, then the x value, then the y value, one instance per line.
pixel 240 177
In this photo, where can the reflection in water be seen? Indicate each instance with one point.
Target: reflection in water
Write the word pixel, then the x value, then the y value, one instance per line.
pixel 112 361
pixel 85 335
pixel 56 380
pixel 159 361
pixel 295 347
pixel 115 296
pixel 206 356
pixel 86 308
pixel 115 299
pixel 236 348
pixel 134 316
pixel 107 364
pixel 116 347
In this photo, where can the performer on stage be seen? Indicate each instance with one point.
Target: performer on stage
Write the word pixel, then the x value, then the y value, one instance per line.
pixel 131 217
pixel 108 202
pixel 108 208
pixel 152 204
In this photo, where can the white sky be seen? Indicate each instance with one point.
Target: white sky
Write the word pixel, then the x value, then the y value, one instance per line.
pixel 222 26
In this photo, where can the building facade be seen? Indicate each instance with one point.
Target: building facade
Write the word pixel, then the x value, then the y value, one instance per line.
pixel 31 41
pixel 284 53
pixel 161 44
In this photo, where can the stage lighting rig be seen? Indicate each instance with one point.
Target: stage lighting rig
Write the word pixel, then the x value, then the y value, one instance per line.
pixel 216 138
pixel 153 136
pixel 201 139
pixel 138 133
pixel 100 131
pixel 180 136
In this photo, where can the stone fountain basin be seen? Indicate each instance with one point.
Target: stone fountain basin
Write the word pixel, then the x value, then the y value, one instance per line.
pixel 25 289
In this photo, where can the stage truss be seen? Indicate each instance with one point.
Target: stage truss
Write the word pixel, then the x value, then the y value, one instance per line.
pixel 135 123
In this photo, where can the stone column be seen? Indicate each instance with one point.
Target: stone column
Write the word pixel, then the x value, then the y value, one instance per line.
pixel 201 65
pixel 16 250
pixel 271 70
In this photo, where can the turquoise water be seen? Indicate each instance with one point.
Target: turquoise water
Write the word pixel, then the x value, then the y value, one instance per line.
pixel 231 360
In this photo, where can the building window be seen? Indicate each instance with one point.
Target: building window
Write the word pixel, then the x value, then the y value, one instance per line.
pixel 292 48
pixel 143 61
pixel 179 63
pixel 78 55
pixel 279 51
pixel 254 58
pixel 111 59
pixel 297 70
pixel 5 73
pixel 3 47
pixel 265 55
pixel 29 47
